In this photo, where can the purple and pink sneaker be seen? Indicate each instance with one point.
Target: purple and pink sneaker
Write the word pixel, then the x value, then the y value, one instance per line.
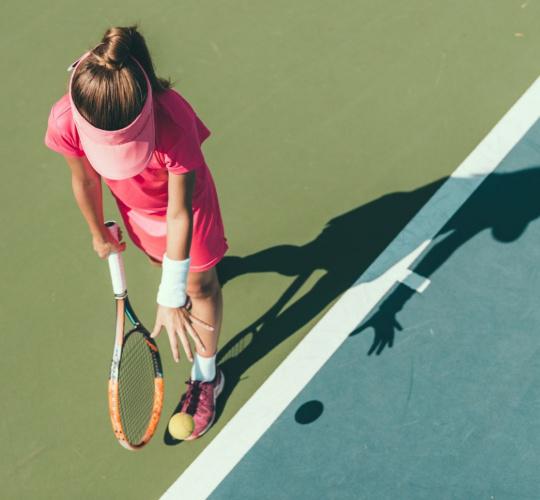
pixel 199 400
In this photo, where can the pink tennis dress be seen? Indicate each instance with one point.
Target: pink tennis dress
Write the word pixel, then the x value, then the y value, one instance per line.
pixel 142 199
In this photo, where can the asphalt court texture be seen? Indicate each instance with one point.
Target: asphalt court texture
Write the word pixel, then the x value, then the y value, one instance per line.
pixel 353 112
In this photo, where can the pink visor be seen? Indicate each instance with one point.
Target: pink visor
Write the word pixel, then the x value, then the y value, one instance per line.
pixel 117 154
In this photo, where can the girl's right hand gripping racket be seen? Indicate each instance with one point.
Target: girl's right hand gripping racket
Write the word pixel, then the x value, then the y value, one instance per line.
pixel 136 378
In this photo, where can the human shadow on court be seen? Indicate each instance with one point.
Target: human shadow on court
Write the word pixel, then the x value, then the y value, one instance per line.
pixel 504 203
pixel 346 246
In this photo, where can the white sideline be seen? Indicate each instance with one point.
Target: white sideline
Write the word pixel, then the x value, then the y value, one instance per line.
pixel 222 454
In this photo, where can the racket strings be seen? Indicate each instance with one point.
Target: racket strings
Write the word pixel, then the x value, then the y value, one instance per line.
pixel 136 386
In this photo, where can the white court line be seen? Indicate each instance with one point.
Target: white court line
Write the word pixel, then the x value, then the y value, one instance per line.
pixel 283 385
pixel 415 281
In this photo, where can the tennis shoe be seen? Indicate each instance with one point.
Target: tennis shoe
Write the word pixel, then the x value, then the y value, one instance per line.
pixel 199 400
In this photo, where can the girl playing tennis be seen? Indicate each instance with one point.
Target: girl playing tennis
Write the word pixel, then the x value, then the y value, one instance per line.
pixel 120 123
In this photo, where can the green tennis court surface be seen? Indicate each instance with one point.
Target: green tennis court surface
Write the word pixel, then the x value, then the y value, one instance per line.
pixel 333 125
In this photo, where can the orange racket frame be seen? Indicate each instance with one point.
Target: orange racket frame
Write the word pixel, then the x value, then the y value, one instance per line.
pixel 123 309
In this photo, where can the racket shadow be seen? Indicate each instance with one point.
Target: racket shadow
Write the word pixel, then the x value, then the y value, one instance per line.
pixel 345 247
pixel 505 204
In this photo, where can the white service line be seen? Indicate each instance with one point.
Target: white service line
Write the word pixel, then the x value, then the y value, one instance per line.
pixel 290 377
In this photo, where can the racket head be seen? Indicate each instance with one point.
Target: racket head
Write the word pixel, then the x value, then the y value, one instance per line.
pixel 135 381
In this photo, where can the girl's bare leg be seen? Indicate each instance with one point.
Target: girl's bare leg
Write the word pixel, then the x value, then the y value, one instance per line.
pixel 205 293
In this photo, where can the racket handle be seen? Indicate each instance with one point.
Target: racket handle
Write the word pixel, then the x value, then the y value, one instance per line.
pixel 116 264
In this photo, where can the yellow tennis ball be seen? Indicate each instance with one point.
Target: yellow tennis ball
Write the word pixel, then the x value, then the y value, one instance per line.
pixel 181 425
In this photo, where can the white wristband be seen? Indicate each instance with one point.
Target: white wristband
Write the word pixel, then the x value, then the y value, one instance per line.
pixel 172 289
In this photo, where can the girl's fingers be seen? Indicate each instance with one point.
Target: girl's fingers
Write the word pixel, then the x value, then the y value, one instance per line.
pixel 174 343
pixel 194 334
pixel 156 330
pixel 185 344
pixel 200 322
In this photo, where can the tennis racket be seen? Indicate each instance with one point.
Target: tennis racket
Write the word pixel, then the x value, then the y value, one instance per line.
pixel 136 378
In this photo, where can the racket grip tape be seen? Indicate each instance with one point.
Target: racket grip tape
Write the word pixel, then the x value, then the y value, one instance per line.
pixel 116 263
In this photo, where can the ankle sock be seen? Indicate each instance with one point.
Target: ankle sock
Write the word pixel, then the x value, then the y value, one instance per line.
pixel 203 368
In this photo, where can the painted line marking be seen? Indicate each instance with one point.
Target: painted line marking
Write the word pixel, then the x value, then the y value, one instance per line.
pixel 222 454
pixel 415 281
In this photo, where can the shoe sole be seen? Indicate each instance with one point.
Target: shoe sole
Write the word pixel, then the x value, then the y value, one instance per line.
pixel 217 392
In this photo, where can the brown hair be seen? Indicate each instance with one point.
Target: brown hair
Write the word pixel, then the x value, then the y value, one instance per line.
pixel 108 87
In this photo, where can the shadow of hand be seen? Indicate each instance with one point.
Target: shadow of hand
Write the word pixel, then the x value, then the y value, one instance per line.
pixel 384 321
pixel 385 324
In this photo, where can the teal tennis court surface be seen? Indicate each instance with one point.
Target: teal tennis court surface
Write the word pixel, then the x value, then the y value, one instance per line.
pixel 423 380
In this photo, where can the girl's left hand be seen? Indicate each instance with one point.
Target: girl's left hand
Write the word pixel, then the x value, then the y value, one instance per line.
pixel 178 320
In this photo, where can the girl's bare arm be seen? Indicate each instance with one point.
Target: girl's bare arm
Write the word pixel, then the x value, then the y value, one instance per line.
pixel 86 185
pixel 180 215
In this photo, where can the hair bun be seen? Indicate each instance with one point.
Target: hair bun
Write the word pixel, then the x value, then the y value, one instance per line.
pixel 115 48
